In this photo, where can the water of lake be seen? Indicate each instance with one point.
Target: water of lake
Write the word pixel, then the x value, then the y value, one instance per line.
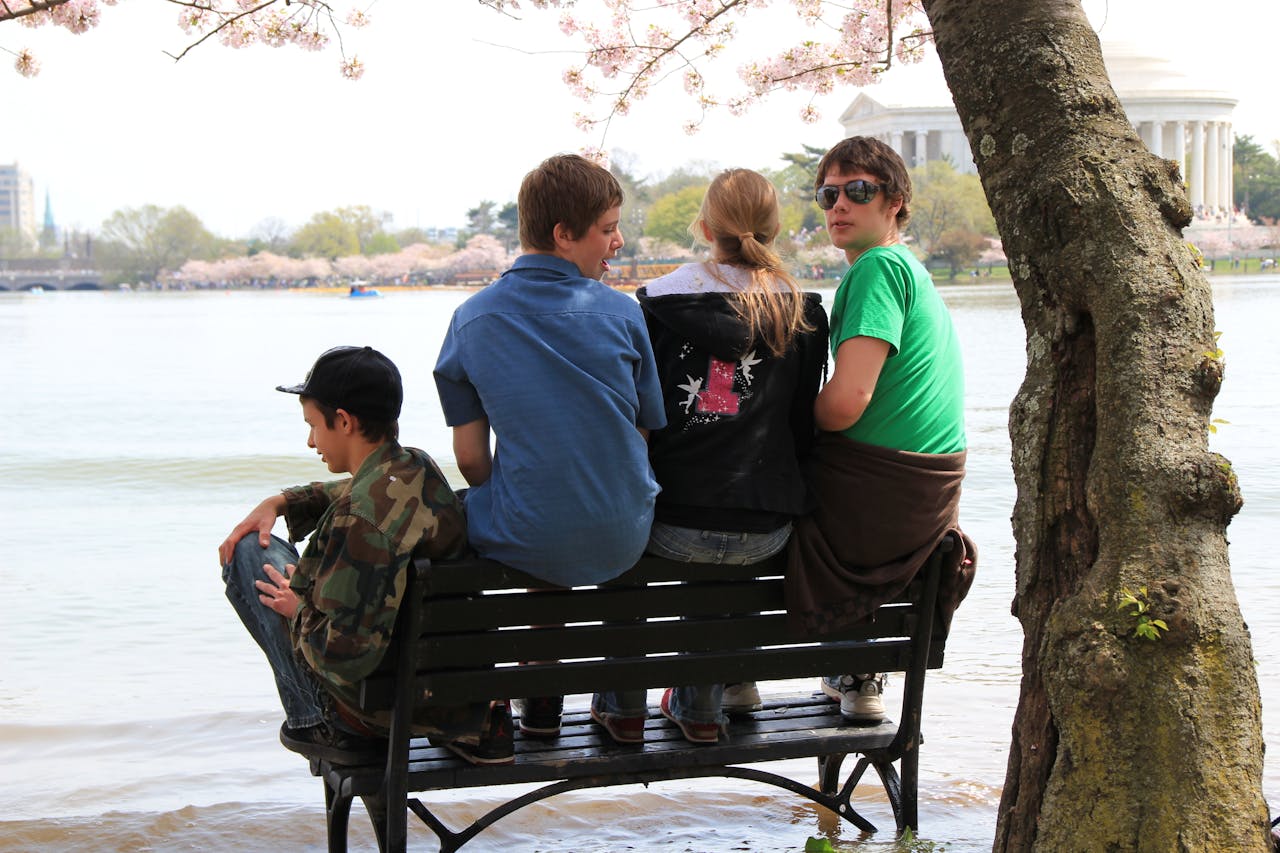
pixel 135 713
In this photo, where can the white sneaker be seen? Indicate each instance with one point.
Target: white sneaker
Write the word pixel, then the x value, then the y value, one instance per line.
pixel 859 697
pixel 741 698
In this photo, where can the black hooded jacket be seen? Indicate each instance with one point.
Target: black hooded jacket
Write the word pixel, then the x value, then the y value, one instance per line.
pixel 739 420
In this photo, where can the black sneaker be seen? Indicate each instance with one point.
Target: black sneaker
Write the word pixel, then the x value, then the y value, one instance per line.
pixel 496 745
pixel 324 741
pixel 540 716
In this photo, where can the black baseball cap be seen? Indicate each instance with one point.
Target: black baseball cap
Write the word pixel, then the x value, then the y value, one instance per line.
pixel 360 380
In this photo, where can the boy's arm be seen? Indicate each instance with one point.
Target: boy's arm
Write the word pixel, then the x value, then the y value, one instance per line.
pixel 843 400
pixel 302 506
pixel 812 348
pixel 261 519
pixel 305 505
pixel 471 451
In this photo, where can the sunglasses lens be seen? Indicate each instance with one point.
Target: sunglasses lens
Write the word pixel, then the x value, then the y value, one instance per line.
pixel 858 192
pixel 861 192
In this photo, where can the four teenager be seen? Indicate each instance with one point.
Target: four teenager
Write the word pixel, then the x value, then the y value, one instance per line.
pixel 553 383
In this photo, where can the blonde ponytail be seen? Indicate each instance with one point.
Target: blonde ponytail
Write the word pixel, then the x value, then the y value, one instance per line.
pixel 740 211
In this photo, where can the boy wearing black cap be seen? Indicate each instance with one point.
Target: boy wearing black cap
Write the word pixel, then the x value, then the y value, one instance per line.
pixel 324 619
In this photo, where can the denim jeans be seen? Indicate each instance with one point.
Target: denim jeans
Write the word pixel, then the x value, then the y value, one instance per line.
pixel 690 704
pixel 687 545
pixel 621 703
pixel 300 693
pixel 701 703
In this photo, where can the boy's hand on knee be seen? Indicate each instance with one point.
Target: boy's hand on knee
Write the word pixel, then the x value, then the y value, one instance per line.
pixel 262 518
pixel 275 591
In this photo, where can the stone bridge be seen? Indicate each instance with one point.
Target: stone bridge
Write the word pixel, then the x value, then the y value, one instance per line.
pixel 61 279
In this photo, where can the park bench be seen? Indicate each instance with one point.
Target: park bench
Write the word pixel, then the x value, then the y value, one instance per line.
pixel 467 624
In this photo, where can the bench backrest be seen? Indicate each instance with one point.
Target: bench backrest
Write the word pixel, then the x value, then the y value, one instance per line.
pixel 482 630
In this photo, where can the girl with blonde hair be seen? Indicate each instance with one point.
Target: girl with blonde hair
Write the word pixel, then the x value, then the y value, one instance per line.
pixel 741 351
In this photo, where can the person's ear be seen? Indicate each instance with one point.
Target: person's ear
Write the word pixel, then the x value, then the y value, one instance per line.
pixel 563 236
pixel 345 422
pixel 895 204
pixel 706 230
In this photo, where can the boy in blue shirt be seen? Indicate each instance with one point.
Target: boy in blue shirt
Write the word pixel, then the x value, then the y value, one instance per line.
pixel 559 368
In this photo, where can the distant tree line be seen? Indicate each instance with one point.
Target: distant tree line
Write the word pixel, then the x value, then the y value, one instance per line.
pixel 1256 181
pixel 951 226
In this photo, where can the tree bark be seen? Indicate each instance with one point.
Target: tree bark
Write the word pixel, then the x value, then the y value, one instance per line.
pixel 1119 742
pixel 11 11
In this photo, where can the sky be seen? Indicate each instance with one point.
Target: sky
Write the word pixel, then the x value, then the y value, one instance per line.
pixel 456 105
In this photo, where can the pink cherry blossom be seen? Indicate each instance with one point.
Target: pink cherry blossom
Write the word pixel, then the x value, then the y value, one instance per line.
pixel 353 68
pixel 27 64
pixel 595 155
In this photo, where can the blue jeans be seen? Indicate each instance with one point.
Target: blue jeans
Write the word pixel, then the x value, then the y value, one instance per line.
pixel 687 545
pixel 690 704
pixel 698 704
pixel 300 693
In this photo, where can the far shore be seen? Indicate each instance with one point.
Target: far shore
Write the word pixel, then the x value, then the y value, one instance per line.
pixel 1215 269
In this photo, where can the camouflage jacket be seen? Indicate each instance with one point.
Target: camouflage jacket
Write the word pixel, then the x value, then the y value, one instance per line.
pixel 351 577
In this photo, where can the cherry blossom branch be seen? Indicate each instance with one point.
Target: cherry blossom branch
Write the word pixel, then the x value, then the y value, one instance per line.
pixel 226 22
pixel 868 36
pixel 8 12
pixel 660 53
pixel 237 23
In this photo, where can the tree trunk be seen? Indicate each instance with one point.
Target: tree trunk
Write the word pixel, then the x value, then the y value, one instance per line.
pixel 1120 742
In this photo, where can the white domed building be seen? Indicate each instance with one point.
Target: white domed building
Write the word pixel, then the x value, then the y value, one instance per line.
pixel 1177 119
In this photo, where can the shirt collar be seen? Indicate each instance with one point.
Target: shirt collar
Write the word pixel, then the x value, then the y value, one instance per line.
pixel 556 264
pixel 378 457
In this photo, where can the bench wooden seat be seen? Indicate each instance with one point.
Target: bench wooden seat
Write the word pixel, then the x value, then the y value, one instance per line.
pixel 661 624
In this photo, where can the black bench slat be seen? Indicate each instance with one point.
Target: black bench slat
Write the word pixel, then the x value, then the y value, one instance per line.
pixel 602 603
pixel 707 634
pixel 470 575
pixel 571 677
pixel 507 607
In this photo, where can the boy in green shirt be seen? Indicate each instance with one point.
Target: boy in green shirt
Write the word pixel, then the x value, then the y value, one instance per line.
pixel 887 466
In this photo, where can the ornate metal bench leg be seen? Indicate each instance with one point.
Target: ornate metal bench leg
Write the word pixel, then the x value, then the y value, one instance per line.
pixel 337 810
pixel 450 841
pixel 893 788
pixel 376 806
pixel 829 772
pixel 909 794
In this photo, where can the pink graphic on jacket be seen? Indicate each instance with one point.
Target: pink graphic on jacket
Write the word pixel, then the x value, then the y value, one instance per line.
pixel 719 397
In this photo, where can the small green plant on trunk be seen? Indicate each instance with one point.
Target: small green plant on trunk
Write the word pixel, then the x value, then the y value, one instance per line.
pixel 1137 605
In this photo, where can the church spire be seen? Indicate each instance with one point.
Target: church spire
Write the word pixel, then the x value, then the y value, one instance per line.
pixel 48 234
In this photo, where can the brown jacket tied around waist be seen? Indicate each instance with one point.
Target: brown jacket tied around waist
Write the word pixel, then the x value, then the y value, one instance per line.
pixel 880 514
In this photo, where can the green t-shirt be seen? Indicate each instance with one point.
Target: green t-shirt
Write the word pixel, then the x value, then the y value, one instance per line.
pixel 918 402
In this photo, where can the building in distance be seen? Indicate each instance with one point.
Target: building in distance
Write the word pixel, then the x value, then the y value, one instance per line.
pixel 1177 118
pixel 17 203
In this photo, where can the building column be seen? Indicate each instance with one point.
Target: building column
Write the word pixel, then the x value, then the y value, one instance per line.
pixel 1180 148
pixel 1157 138
pixel 1213 156
pixel 895 142
pixel 1197 164
pixel 1227 146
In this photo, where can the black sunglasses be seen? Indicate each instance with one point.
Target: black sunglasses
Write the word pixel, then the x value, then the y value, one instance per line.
pixel 858 192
